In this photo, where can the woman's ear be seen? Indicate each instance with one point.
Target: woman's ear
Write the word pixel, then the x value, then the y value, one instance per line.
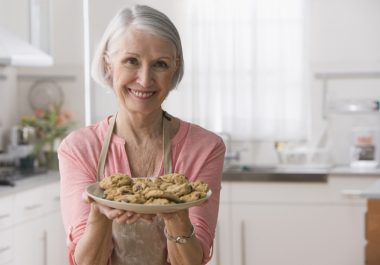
pixel 107 67
pixel 177 64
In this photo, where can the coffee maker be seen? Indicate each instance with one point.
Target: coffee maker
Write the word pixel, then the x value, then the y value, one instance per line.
pixel 22 143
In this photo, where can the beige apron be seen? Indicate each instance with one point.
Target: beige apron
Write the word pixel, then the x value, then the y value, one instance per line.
pixel 140 243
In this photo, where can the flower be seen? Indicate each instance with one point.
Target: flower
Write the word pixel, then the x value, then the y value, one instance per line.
pixel 50 125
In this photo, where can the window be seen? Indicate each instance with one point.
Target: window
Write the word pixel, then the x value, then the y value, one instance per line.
pixel 245 69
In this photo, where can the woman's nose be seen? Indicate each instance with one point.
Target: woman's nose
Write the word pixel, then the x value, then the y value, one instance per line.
pixel 145 77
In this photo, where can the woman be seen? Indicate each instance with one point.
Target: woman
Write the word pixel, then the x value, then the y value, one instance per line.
pixel 140 58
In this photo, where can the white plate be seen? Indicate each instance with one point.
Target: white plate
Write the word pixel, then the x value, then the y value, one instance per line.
pixel 96 193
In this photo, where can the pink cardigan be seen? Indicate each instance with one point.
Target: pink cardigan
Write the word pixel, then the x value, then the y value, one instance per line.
pixel 196 152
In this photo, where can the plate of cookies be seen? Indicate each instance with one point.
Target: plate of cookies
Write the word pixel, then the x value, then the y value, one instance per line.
pixel 164 194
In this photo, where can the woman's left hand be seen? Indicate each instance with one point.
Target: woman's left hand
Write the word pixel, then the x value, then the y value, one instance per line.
pixel 129 217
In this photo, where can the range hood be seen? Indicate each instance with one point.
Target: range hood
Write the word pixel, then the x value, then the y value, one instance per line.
pixel 17 52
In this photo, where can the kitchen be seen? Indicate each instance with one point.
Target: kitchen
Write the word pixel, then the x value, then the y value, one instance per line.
pixel 295 197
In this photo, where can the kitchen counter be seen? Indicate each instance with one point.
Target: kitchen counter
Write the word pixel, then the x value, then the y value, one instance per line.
pixel 29 182
pixel 292 173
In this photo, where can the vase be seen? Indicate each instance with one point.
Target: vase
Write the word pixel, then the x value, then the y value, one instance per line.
pixel 52 160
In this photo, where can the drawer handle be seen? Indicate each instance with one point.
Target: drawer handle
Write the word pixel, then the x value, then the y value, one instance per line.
pixel 4 216
pixel 32 207
pixel 3 249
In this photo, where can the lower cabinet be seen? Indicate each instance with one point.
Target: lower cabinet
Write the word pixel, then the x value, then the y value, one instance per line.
pixel 271 223
pixel 30 243
pixel 55 240
pixel 298 234
pixel 222 252
pixel 34 234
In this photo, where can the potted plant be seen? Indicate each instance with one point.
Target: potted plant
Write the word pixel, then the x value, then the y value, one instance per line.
pixel 51 126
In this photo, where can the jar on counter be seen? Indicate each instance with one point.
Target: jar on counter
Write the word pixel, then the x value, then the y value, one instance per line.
pixel 364 150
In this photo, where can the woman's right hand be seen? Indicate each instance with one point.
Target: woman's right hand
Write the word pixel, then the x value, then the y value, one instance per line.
pixel 120 216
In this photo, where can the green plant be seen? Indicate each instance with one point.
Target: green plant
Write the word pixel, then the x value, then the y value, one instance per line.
pixel 50 125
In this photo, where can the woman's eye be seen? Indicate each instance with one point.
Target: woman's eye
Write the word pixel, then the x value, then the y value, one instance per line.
pixel 161 65
pixel 131 62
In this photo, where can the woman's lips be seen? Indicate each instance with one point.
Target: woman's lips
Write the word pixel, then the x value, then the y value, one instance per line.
pixel 140 94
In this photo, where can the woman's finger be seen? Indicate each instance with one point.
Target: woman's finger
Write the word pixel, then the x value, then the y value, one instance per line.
pixel 110 213
pixel 86 198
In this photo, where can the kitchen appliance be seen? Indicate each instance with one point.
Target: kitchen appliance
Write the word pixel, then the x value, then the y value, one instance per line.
pixel 22 143
pixel 354 132
pixel 365 147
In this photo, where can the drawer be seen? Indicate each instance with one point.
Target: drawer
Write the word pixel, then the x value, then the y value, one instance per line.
pixel 334 191
pixel 29 204
pixel 6 247
pixel 6 212
pixel 51 197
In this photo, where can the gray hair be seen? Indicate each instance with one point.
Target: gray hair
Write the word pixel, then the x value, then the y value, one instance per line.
pixel 145 18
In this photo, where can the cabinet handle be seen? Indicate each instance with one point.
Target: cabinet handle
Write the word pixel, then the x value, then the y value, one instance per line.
pixel 45 247
pixel 242 243
pixel 32 207
pixel 3 249
pixel 352 193
pixel 217 246
pixel 4 216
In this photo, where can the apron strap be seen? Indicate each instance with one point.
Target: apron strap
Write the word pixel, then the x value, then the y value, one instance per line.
pixel 167 145
pixel 103 153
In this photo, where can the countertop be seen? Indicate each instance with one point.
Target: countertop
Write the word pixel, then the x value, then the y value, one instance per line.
pixel 29 182
pixel 293 173
pixel 238 173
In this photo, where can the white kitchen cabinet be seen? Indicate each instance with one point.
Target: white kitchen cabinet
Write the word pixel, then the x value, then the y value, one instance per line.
pixel 222 251
pixel 293 223
pixel 298 234
pixel 6 246
pixel 55 240
pixel 30 243
pixel 31 228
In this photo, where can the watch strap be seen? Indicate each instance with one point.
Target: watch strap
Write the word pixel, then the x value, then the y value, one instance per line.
pixel 180 239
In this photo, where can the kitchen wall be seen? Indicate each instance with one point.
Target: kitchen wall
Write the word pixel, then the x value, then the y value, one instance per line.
pixel 343 37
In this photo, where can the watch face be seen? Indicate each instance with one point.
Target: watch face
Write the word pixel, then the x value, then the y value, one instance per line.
pixel 181 240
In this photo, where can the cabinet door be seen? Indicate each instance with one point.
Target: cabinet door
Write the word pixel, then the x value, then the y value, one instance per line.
pixel 222 242
pixel 55 240
pixel 6 246
pixel 30 243
pixel 313 234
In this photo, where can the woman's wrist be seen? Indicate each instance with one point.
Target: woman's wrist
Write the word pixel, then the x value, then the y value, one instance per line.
pixel 180 239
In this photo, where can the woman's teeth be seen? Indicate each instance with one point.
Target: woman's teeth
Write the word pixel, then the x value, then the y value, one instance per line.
pixel 142 94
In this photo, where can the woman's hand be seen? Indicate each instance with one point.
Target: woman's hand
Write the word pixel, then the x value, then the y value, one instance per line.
pixel 120 216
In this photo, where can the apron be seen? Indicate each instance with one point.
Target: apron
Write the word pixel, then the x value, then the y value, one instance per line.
pixel 140 243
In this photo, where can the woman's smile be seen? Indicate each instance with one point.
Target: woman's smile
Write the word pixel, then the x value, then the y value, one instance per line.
pixel 141 94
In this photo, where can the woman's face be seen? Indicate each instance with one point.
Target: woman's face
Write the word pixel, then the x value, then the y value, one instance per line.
pixel 142 71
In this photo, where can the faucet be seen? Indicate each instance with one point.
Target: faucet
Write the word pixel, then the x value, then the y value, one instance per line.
pixel 229 156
